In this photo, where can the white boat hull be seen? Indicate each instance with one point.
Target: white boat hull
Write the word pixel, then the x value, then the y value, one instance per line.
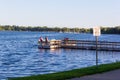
pixel 49 45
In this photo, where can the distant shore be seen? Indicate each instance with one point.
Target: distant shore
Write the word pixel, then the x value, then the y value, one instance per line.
pixel 104 30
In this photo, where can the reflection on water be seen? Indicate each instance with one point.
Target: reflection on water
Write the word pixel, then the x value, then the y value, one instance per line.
pixel 20 56
pixel 51 51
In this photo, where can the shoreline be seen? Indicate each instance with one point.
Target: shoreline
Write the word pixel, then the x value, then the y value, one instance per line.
pixel 73 73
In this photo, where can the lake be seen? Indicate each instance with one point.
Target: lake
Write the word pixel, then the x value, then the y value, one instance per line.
pixel 20 56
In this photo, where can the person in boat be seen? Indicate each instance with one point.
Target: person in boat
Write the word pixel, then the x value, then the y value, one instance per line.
pixel 40 39
pixel 46 39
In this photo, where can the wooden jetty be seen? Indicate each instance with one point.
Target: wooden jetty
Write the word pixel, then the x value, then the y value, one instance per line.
pixel 82 44
pixel 91 45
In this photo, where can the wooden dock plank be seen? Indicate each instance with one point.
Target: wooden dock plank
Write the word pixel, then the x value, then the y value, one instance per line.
pixel 91 45
pixel 85 44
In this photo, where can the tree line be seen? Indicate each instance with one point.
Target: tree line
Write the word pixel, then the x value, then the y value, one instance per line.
pixel 104 30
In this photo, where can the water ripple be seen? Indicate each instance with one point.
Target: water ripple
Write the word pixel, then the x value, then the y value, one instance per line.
pixel 19 55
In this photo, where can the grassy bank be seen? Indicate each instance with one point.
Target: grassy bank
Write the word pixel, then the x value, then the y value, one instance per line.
pixel 73 73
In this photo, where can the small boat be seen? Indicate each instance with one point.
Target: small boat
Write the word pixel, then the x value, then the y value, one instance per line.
pixel 49 44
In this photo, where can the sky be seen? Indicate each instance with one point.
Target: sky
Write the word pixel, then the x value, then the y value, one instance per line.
pixel 60 13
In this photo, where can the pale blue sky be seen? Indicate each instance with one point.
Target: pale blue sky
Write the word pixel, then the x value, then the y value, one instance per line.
pixel 61 13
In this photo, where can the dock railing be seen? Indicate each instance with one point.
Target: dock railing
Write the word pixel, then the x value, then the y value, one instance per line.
pixel 89 44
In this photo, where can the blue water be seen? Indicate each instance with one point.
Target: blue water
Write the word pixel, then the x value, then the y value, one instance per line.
pixel 20 56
